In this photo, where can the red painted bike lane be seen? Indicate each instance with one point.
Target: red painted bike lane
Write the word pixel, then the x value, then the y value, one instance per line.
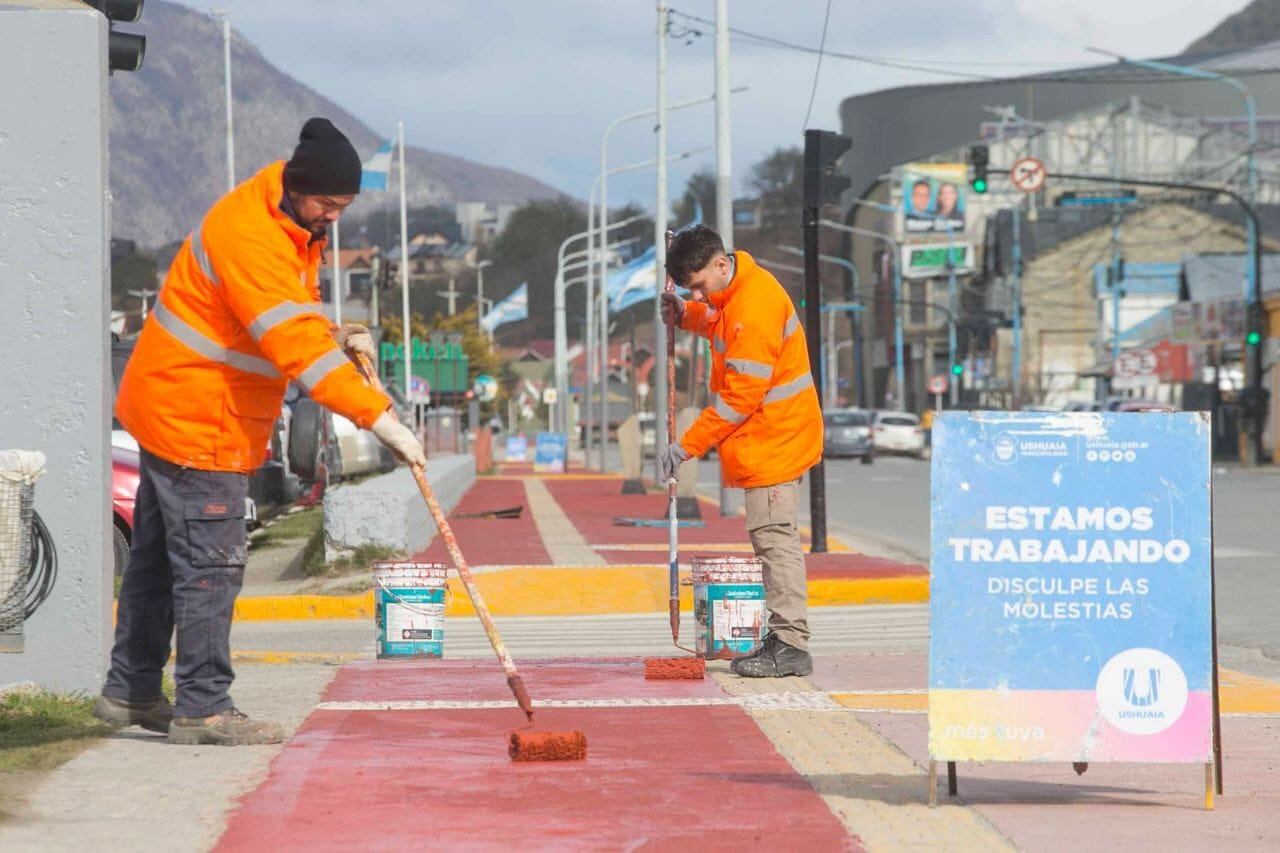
pixel 655 777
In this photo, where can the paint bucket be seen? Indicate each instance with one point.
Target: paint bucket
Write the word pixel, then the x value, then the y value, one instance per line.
pixel 408 606
pixel 728 605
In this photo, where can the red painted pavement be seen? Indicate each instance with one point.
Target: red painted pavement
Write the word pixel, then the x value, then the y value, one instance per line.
pixel 655 778
pixel 497 541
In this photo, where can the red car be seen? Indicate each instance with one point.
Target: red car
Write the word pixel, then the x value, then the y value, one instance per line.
pixel 124 489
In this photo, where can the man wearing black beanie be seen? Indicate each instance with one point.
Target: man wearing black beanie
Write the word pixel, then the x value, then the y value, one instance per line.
pixel 237 319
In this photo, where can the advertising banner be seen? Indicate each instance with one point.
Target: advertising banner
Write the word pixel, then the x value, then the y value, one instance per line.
pixel 549 452
pixel 517 448
pixel 933 197
pixel 1070 595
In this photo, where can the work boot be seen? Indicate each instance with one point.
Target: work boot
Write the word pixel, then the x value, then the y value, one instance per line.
pixel 773 659
pixel 230 728
pixel 153 715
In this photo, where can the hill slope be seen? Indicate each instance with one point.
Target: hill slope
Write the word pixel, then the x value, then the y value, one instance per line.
pixel 1257 23
pixel 168 159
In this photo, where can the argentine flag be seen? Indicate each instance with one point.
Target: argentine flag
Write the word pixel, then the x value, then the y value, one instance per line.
pixel 373 175
pixel 633 283
pixel 510 310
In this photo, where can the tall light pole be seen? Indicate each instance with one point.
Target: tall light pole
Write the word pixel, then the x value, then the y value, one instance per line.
pixel 1253 355
pixel 603 177
pixel 729 498
pixel 953 385
pixel 854 319
pixel 480 300
pixel 225 16
pixel 660 248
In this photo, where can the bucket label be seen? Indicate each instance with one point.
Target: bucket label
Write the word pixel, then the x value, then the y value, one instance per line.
pixel 410 622
pixel 730 618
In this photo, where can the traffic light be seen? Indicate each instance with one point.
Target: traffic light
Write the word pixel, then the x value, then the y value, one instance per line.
pixel 979 157
pixel 822 148
pixel 1253 325
pixel 124 50
pixel 957 369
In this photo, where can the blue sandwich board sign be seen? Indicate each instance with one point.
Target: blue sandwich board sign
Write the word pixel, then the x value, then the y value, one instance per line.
pixel 1071 588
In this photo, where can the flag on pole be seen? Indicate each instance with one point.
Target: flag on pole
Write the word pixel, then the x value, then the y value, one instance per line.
pixel 374 171
pixel 633 282
pixel 510 310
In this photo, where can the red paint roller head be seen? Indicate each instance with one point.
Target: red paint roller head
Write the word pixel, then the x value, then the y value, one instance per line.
pixel 674 669
pixel 547 746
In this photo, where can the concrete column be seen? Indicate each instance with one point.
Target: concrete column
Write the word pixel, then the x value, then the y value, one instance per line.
pixel 54 338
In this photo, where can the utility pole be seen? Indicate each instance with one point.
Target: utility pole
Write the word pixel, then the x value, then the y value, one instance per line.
pixel 225 16
pixel 480 300
pixel 452 295
pixel 143 295
pixel 730 499
pixel 404 273
pixel 659 381
pixel 1016 379
pixel 954 385
pixel 337 277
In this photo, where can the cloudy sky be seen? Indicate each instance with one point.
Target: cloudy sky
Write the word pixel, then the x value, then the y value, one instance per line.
pixel 531 85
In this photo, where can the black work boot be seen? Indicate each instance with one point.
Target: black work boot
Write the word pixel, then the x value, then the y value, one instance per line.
pixel 773 659
pixel 153 715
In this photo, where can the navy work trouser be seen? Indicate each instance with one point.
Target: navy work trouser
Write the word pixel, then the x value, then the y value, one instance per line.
pixel 186 565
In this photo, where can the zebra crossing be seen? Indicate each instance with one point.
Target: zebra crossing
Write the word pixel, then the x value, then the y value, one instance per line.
pixel 865 628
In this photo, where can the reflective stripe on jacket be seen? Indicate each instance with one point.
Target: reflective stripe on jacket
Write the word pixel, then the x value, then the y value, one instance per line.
pixel 238 316
pixel 764 415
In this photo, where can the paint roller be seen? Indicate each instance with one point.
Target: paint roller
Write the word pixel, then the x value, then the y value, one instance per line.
pixel 523 745
pixel 663 669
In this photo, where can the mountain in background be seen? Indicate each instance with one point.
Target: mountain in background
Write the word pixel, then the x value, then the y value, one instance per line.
pixel 168 154
pixel 1257 23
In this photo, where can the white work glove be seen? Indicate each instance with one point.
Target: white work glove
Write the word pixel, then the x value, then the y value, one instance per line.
pixel 672 309
pixel 400 440
pixel 670 461
pixel 355 339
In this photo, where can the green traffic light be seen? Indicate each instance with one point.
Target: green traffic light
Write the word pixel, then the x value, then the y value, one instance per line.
pixel 1253 339
pixel 979 185
pixel 957 369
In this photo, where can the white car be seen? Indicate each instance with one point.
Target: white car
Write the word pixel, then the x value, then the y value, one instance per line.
pixel 897 432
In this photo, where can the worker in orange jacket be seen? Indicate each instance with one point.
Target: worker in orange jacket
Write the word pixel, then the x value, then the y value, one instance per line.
pixel 764 421
pixel 237 319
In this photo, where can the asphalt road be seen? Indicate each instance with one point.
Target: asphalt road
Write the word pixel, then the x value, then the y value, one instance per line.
pixel 887 504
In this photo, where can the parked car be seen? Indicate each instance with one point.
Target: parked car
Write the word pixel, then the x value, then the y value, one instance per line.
pixel 359 450
pixel 898 432
pixel 1139 406
pixel 124 491
pixel 848 434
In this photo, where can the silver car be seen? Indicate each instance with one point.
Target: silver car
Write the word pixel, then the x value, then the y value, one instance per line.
pixel 848 434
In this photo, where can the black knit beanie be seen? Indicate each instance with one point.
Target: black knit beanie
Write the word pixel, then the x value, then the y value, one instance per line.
pixel 324 163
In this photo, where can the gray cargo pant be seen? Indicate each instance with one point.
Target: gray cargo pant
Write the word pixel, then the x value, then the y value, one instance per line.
pixel 186 565
pixel 771 524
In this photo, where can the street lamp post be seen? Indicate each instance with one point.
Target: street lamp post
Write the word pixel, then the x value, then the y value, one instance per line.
pixel 855 321
pixel 225 16
pixel 899 371
pixel 480 300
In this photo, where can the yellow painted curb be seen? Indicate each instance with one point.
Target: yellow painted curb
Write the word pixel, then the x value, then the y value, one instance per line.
pixel 569 591
pixel 883 701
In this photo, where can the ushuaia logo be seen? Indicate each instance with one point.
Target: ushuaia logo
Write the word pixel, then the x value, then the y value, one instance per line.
pixel 1004 448
pixel 1141 691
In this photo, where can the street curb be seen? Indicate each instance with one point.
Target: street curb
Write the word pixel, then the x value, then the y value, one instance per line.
pixel 574 591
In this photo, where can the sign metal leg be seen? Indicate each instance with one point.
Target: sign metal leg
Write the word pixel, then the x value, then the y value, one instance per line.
pixel 952 789
pixel 933 783
pixel 1209 785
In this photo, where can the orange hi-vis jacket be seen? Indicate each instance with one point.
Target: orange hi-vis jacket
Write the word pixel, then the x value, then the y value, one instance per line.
pixel 237 318
pixel 764 417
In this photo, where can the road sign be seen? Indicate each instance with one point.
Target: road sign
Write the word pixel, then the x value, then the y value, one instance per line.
pixel 1028 174
pixel 938 384
pixel 926 260
pixel 1070 588
pixel 485 388
pixel 549 396
pixel 1135 368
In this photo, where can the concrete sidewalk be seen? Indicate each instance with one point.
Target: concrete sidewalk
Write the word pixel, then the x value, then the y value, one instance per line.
pixel 566 556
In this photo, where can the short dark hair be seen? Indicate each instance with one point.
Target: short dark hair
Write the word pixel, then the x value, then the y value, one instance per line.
pixel 691 250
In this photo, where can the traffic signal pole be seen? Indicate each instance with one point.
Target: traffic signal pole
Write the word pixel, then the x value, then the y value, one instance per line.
pixel 1255 396
pixel 822 149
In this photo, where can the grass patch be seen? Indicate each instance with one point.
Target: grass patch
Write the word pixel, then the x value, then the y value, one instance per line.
pixel 41 730
pixel 304 524
pixel 314 565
